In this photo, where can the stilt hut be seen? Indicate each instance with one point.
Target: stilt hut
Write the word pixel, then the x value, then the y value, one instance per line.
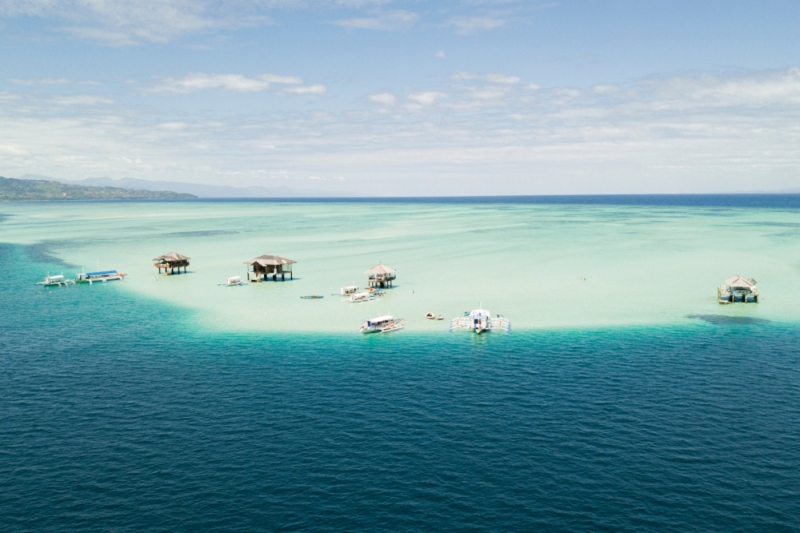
pixel 737 289
pixel 261 267
pixel 381 276
pixel 172 263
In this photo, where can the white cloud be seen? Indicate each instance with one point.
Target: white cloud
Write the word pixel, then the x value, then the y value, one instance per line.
pixel 234 82
pixel 388 21
pixel 677 134
pixel 172 126
pixel 382 98
pixel 39 81
pixel 605 89
pixel 426 98
pixel 310 89
pixel 775 87
pixel 440 54
pixel 465 25
pixel 497 78
pixel 125 22
pixel 361 3
pixel 81 99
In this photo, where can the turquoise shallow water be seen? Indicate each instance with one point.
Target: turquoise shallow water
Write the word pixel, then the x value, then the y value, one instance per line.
pixel 122 412
pixel 544 266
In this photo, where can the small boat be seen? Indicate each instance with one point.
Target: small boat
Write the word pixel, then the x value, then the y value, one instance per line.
pixel 100 276
pixel 737 289
pixel 381 324
pixel 439 317
pixel 362 297
pixel 347 291
pixel 312 297
pixel 56 281
pixel 234 281
pixel 430 316
pixel 480 321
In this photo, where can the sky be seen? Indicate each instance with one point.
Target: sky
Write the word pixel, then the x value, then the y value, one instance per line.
pixel 406 97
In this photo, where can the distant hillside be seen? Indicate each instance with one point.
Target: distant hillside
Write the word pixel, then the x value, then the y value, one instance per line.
pixel 44 190
pixel 203 191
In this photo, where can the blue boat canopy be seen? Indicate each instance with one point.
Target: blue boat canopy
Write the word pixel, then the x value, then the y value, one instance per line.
pixel 100 273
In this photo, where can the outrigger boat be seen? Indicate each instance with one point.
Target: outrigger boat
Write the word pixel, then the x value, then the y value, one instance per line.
pixel 362 297
pixel 381 324
pixel 234 281
pixel 737 289
pixel 56 281
pixel 347 291
pixel 479 320
pixel 101 276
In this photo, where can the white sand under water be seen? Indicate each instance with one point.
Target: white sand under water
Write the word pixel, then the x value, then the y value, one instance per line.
pixel 542 266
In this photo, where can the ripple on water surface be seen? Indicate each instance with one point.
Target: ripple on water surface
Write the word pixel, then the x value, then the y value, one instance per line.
pixel 117 414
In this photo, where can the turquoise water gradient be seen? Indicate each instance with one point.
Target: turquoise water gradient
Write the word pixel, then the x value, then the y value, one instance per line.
pixel 542 266
pixel 120 411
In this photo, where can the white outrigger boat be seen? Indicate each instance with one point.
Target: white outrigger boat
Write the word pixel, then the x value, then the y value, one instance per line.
pixel 362 297
pixel 381 324
pixel 349 290
pixel 480 320
pixel 56 281
pixel 100 276
pixel 234 281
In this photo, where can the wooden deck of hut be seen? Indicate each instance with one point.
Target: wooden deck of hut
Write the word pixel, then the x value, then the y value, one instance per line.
pixel 265 265
pixel 381 276
pixel 172 263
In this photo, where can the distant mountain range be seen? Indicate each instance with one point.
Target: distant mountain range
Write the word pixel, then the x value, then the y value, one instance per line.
pixel 197 189
pixel 32 190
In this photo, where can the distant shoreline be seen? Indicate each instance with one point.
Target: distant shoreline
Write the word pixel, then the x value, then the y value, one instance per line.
pixel 744 200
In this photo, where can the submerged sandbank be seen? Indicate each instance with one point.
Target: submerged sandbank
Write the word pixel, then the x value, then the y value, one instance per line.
pixel 543 266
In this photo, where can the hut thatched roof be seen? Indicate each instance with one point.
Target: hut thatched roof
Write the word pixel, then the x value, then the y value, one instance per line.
pixel 270 260
pixel 380 269
pixel 172 257
pixel 738 282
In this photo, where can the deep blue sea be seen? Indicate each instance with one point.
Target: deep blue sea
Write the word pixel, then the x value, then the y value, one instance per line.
pixel 116 414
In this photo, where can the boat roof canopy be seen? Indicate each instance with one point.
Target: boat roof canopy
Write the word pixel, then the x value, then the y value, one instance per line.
pixel 380 269
pixel 172 257
pixel 384 318
pixel 270 260
pixel 101 273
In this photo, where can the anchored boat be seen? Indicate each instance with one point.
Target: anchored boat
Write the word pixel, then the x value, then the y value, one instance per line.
pixel 362 297
pixel 234 281
pixel 737 289
pixel 347 291
pixel 101 276
pixel 56 281
pixel 480 320
pixel 381 324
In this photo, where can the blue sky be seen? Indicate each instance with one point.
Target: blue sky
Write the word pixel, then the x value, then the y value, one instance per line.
pixel 405 97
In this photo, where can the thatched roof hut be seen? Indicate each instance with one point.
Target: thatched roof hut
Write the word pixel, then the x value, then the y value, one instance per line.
pixel 264 265
pixel 381 276
pixel 171 263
